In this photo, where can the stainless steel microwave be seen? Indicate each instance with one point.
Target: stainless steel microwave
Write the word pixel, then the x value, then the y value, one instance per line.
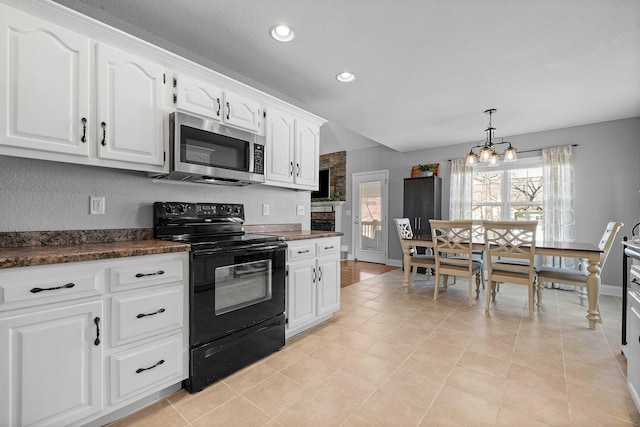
pixel 206 151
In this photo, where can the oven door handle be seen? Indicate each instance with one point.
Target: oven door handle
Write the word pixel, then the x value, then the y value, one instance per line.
pixel 258 247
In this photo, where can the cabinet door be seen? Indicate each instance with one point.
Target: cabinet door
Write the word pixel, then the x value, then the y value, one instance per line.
pixel 307 152
pixel 422 202
pixel 242 112
pixel 328 285
pixel 50 366
pixel 129 107
pixel 301 295
pixel 633 359
pixel 44 85
pixel 196 96
pixel 280 145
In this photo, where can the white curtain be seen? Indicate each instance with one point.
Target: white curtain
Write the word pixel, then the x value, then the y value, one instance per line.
pixel 559 219
pixel 460 198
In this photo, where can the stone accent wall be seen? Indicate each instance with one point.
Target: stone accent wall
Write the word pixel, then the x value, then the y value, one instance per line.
pixel 337 163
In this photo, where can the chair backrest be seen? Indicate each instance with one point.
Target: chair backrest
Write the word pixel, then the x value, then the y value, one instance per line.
pixel 511 240
pixel 403 225
pixel 607 240
pixel 452 241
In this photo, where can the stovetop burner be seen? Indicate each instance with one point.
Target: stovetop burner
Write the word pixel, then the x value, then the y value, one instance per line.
pixel 204 225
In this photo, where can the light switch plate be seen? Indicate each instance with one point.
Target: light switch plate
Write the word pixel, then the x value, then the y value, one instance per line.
pixel 265 209
pixel 96 205
pixel 299 209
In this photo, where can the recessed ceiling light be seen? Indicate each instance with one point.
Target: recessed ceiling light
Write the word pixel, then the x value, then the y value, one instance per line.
pixel 282 33
pixel 345 77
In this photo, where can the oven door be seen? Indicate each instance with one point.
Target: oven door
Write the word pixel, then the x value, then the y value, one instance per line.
pixel 235 288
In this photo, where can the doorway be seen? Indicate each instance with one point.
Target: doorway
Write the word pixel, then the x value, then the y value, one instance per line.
pixel 370 230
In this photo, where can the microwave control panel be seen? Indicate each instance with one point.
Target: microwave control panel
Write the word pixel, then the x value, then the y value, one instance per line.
pixel 258 158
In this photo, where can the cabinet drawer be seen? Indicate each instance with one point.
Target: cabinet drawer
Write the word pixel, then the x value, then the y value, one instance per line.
pixel 303 251
pixel 157 271
pixel 30 286
pixel 331 246
pixel 151 366
pixel 141 314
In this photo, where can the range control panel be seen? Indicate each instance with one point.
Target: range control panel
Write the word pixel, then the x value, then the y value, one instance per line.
pixel 178 210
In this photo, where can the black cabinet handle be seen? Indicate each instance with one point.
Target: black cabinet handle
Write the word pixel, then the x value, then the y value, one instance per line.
pixel 298 169
pixel 304 252
pixel 634 280
pixel 160 362
pixel 319 274
pixel 84 130
pixel 228 110
pixel 104 133
pixel 328 247
pixel 67 286
pixel 314 276
pixel 141 315
pixel 291 171
pixel 218 112
pixel 157 273
pixel 97 322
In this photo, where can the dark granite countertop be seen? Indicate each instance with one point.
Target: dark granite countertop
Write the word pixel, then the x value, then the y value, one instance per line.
pixel 305 234
pixel 25 256
pixel 24 249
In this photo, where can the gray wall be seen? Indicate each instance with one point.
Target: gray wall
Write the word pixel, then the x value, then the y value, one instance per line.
pixel 606 166
pixel 37 195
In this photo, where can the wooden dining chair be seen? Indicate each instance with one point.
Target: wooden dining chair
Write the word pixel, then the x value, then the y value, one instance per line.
pixel 403 225
pixel 510 249
pixel 573 276
pixel 453 250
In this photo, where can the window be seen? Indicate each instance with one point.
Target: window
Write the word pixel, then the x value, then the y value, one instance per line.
pixel 510 191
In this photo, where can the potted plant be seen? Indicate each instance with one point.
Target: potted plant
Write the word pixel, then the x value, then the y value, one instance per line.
pixel 427 170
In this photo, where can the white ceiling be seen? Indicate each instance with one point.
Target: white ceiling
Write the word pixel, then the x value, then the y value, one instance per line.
pixel 426 69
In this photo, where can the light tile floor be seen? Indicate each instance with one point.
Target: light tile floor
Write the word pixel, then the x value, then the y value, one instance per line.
pixel 390 358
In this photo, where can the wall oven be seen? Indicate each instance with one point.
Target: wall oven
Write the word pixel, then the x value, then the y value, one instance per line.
pixel 237 288
pixel 206 151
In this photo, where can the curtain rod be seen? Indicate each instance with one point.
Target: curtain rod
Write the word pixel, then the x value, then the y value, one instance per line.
pixel 537 149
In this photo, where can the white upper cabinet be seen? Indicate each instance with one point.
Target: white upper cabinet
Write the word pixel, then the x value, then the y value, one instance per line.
pixel 199 97
pixel 280 146
pixel 293 151
pixel 44 85
pixel 129 117
pixel 307 154
pixel 243 112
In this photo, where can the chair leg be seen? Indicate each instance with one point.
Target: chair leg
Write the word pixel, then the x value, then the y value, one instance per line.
pixel 494 286
pixel 487 302
pixel 582 294
pixel 436 290
pixel 478 285
pixel 445 280
pixel 470 291
pixel 531 300
pixel 539 290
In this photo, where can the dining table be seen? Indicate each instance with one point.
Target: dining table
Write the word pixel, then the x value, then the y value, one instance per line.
pixel 588 252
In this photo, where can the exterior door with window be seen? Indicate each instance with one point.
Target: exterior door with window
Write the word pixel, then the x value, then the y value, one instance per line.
pixel 370 216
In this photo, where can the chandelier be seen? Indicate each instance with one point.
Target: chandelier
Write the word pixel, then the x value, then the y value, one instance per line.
pixel 487 152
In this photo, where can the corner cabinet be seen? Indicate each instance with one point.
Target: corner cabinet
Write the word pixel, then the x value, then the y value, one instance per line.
pixel 81 340
pixel 51 79
pixel 293 151
pixel 313 285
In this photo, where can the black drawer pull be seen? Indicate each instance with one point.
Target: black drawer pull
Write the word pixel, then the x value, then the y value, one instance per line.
pixel 67 286
pixel 141 315
pixel 328 247
pixel 104 134
pixel 84 130
pixel 157 273
pixel 304 252
pixel 160 362
pixel 634 280
pixel 97 322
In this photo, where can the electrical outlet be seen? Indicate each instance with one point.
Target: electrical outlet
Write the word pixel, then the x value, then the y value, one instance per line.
pixel 265 209
pixel 96 205
pixel 299 209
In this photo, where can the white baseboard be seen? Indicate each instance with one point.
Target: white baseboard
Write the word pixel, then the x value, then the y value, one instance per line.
pixel 614 291
pixel 394 262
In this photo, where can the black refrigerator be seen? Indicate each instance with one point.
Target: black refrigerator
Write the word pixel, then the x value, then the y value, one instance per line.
pixel 422 202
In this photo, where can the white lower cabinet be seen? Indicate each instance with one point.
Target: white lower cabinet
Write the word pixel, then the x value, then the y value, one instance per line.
pixel 74 349
pixel 313 285
pixel 633 348
pixel 51 365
